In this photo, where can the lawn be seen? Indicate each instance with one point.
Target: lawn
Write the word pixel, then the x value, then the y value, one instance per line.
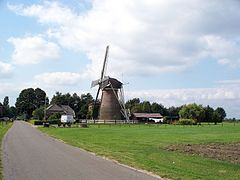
pixel 3 130
pixel 145 147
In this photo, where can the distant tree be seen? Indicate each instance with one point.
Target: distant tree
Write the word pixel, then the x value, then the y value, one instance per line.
pixel 79 104
pixel 61 99
pixel 29 100
pixel 146 107
pixel 173 111
pixel 137 108
pixel 40 97
pixel 5 106
pixel 6 102
pixel 208 114
pixel 192 111
pixel 12 112
pixel 159 108
pixel 219 115
pixel 82 113
pixel 85 100
pixel 75 102
pixel 156 108
pixel 38 113
pixel 130 104
pixel 221 112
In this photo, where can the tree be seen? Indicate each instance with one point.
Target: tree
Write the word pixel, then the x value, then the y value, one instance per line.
pixel 38 113
pixel 75 102
pixel 173 111
pixel 6 101
pixel 221 112
pixel 208 114
pixel 78 104
pixel 159 108
pixel 192 111
pixel 146 107
pixel 219 115
pixel 29 100
pixel 12 112
pixel 85 100
pixel 5 107
pixel 61 99
pixel 137 108
pixel 131 103
pixel 40 97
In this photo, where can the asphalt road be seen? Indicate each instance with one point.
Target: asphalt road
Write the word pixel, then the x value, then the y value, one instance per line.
pixel 31 155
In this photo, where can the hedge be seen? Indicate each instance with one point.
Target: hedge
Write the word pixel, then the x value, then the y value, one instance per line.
pixel 187 122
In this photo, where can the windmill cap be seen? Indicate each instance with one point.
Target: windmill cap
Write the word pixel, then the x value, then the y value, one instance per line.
pixel 114 82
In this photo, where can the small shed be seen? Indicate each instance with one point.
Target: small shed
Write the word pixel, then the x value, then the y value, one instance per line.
pixel 61 109
pixel 148 117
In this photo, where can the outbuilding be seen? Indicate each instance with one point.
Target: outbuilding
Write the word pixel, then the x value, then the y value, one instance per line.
pixel 61 109
pixel 147 117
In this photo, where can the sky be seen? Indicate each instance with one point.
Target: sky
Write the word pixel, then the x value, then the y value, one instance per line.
pixel 170 52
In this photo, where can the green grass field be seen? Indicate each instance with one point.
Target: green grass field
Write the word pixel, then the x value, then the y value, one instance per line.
pixel 3 130
pixel 144 147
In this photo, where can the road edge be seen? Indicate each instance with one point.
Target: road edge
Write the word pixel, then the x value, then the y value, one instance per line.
pixel 1 151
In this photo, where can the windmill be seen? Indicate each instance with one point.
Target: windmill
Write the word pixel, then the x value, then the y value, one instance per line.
pixel 112 105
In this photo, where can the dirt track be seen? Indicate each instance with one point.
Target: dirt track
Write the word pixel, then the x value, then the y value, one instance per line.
pixel 224 152
pixel 30 155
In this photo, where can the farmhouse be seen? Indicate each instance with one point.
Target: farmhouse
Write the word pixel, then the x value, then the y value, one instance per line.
pixel 148 117
pixel 61 109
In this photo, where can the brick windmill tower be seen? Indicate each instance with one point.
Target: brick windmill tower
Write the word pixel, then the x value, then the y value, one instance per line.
pixel 112 100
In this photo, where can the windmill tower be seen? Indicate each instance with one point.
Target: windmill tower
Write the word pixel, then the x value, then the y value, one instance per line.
pixel 112 101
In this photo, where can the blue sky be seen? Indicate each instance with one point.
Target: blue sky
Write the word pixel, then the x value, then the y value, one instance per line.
pixel 170 52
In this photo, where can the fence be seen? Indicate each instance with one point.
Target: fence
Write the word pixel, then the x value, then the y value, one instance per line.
pixel 100 121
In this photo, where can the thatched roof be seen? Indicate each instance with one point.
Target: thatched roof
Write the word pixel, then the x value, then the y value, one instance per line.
pixel 147 115
pixel 62 109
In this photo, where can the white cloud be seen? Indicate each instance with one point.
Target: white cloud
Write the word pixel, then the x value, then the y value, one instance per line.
pixel 33 50
pixel 227 52
pixel 58 79
pixel 10 90
pixel 55 13
pixel 182 96
pixel 7 88
pixel 5 70
pixel 229 82
pixel 154 36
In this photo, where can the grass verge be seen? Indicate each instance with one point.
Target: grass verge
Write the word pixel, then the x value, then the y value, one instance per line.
pixel 144 147
pixel 3 129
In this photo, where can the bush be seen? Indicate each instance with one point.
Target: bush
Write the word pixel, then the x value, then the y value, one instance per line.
pixel 187 122
pixel 37 123
pixel 54 121
pixel 55 116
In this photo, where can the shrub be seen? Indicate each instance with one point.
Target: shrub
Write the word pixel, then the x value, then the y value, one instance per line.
pixel 55 116
pixel 186 122
pixel 54 121
pixel 37 123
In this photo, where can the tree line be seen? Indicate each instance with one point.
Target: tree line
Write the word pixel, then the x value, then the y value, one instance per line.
pixel 31 103
pixel 6 110
pixel 196 112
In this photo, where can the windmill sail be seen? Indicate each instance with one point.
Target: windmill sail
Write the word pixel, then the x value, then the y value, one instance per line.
pixel 95 83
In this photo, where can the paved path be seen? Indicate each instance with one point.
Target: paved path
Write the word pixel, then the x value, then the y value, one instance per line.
pixel 30 155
